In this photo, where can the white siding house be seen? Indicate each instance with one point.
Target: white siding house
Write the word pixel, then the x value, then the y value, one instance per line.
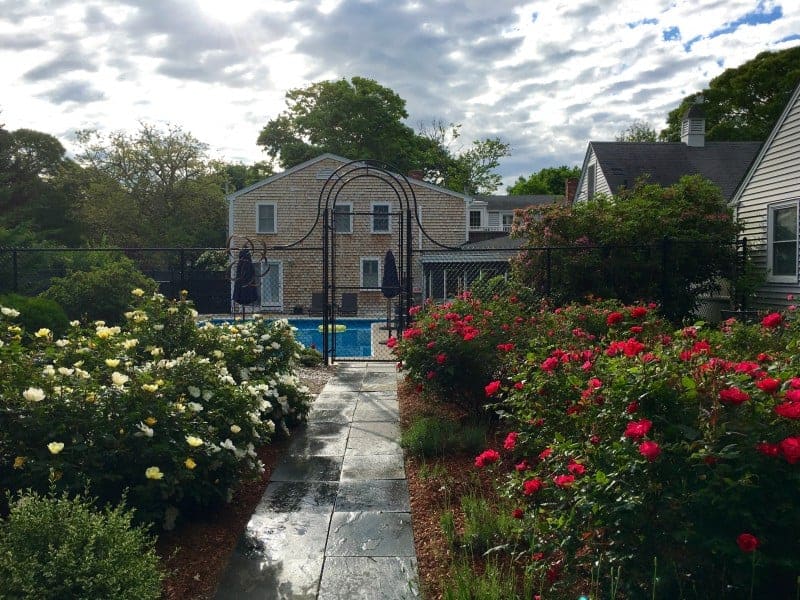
pixel 767 204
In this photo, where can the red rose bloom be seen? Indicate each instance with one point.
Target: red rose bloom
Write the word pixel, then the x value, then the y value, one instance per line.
pixel 411 333
pixel 531 486
pixel 650 450
pixel 576 468
pixel 768 449
pixel 517 513
pixel 772 320
pixel 638 429
pixel 441 358
pixel 789 410
pixel 545 453
pixel 637 312
pixel 511 441
pixel 563 481
pixel 519 385
pixel 614 318
pixel 768 384
pixel 487 457
pixel 747 542
pixel 430 374
pixel 492 388
pixel 391 342
pixel 549 364
pixel 637 329
pixel 790 448
pixel 793 395
pixel 521 466
pixel 430 345
pixel 733 396
pixel 632 407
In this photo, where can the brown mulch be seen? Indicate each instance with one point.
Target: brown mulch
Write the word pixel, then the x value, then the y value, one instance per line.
pixel 196 553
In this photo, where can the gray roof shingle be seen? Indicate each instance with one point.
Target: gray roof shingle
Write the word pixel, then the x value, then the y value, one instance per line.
pixel 724 163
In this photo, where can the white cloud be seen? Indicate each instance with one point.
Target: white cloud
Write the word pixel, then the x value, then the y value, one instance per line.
pixel 545 76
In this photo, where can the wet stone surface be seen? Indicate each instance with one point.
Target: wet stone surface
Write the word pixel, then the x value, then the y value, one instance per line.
pixel 387 495
pixel 327 397
pixel 249 578
pixel 299 496
pixel 370 534
pixel 372 444
pixel 308 468
pixel 323 413
pixel 368 578
pixel 385 429
pixel 377 410
pixel 277 536
pixel 382 466
pixel 311 445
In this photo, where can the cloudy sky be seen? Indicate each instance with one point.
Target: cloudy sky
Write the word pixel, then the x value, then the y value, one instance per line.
pixel 545 76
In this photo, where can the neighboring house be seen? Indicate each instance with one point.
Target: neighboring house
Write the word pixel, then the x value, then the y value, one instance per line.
pixel 491 216
pixel 282 209
pixel 767 204
pixel 611 166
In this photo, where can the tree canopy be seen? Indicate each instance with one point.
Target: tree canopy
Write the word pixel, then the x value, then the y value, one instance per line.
pixel 550 180
pixel 743 103
pixel 361 119
pixel 637 131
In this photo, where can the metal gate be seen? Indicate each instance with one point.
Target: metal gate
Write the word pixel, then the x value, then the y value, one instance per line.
pixel 389 223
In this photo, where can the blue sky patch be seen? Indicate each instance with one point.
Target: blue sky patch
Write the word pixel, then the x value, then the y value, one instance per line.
pixel 758 16
pixel 790 38
pixel 672 33
pixel 688 45
pixel 635 24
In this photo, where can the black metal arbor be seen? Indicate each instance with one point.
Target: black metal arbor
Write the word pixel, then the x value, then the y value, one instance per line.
pixel 407 213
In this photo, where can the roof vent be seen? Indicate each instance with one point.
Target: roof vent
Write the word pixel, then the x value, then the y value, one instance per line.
pixel 693 125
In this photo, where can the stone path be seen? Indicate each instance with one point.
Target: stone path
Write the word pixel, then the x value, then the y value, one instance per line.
pixel 334 521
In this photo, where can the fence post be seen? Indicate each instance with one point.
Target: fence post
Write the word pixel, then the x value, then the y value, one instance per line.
pixel 666 246
pixel 15 269
pixel 548 271
pixel 742 268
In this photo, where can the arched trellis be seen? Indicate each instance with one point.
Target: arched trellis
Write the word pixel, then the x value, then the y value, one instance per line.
pixel 408 213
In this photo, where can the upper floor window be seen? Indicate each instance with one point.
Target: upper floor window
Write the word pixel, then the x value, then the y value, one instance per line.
pixel 782 242
pixel 266 217
pixel 343 217
pixel 507 220
pixel 474 218
pixel 380 218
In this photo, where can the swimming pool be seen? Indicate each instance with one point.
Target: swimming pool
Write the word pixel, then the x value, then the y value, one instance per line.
pixel 354 341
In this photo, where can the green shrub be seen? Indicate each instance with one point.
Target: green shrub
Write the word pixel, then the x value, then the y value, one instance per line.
pixel 310 357
pixel 56 547
pixel 101 293
pixel 433 436
pixel 37 313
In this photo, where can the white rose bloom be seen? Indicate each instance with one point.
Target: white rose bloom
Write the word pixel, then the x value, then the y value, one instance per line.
pixel 235 428
pixel 9 312
pixel 265 405
pixel 75 323
pixel 275 346
pixel 207 395
pixel 62 343
pixel 194 406
pixel 147 431
pixel 33 394
pixel 65 371
pixel 228 445
pixel 49 371
pixel 119 379
pixel 270 426
pixel 194 391
pixel 158 327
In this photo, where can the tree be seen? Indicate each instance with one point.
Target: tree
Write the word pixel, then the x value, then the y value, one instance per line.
pixel 237 176
pixel 550 180
pixel 361 119
pixel 35 186
pixel 152 187
pixel 744 103
pixel 637 131
pixel 621 248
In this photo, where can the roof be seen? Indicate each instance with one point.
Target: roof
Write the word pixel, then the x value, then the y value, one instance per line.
pixel 511 202
pixel 724 163
pixel 778 124
pixel 495 250
pixel 341 159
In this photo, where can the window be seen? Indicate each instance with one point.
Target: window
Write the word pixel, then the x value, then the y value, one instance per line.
pixel 508 220
pixel 782 249
pixel 590 182
pixel 266 218
pixel 474 219
pixel 370 273
pixel 381 220
pixel 343 218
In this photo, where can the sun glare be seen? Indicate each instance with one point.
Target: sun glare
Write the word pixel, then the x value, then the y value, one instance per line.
pixel 229 11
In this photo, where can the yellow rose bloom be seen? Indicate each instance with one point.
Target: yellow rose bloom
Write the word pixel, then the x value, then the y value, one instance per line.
pixel 112 362
pixel 118 379
pixel 151 421
pixel 19 462
pixel 190 464
pixel 138 292
pixel 55 447
pixel 194 441
pixel 153 473
pixel 43 332
pixel 149 387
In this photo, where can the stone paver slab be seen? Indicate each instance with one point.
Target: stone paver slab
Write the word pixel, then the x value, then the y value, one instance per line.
pixel 299 496
pixel 370 534
pixel 369 578
pixel 308 468
pixel 371 445
pixel 323 429
pixel 250 578
pixel 390 495
pixel 279 536
pixel 334 396
pixel 384 429
pixel 381 466
pixel 377 410
pixel 324 414
pixel 306 444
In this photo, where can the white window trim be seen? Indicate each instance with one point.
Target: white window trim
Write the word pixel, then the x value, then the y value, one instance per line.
pixel 349 213
pixel 388 217
pixel 469 219
pixel 771 208
pixel 274 206
pixel 275 305
pixel 361 269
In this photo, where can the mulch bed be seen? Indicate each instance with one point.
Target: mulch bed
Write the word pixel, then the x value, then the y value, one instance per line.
pixel 196 553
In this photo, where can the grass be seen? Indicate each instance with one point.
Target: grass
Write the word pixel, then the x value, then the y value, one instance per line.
pixel 435 436
pixel 494 582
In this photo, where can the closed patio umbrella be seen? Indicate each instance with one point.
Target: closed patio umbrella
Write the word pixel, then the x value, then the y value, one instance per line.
pixel 390 285
pixel 245 285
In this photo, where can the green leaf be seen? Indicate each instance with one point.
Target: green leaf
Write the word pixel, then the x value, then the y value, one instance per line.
pixel 688 383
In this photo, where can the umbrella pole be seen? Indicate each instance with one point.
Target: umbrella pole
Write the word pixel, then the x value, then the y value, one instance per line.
pixel 389 315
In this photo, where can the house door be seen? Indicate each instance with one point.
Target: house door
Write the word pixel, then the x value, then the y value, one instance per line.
pixel 272 285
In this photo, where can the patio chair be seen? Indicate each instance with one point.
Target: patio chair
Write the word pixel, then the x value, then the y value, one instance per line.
pixel 317 304
pixel 349 305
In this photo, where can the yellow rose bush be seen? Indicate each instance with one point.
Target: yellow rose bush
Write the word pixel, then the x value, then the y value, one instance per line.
pixel 169 411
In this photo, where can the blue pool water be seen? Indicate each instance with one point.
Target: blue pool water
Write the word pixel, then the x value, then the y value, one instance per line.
pixel 355 341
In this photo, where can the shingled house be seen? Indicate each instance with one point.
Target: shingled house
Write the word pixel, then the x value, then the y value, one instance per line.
pixel 609 167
